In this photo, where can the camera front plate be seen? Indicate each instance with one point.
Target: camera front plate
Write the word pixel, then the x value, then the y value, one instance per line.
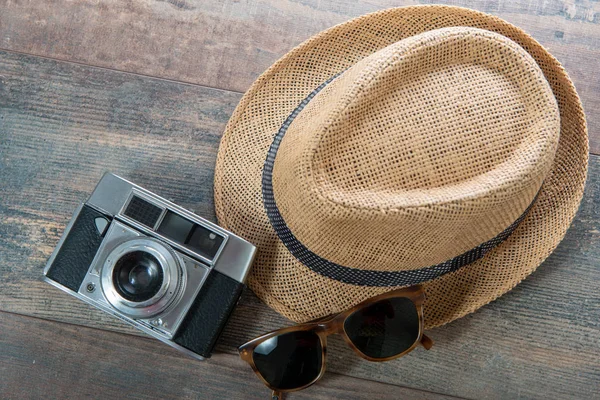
pixel 165 324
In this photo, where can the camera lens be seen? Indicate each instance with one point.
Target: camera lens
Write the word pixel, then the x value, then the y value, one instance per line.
pixel 137 276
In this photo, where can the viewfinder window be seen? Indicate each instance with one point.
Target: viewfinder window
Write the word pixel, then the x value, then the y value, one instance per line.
pixel 175 227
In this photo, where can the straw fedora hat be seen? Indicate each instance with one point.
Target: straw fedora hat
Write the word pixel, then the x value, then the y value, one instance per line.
pixel 427 144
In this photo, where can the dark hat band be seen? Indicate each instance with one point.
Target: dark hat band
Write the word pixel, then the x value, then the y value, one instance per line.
pixel 357 276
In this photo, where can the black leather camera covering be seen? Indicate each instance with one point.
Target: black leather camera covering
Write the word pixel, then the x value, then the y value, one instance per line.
pixel 209 314
pixel 78 250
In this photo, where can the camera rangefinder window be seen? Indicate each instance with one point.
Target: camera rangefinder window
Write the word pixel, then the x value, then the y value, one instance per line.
pixel 204 241
pixel 191 235
pixel 137 276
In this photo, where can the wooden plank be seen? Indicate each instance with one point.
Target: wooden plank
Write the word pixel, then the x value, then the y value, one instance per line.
pixel 43 359
pixel 63 124
pixel 227 44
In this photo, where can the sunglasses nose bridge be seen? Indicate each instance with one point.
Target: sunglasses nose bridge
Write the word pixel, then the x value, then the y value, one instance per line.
pixel 326 330
pixel 331 327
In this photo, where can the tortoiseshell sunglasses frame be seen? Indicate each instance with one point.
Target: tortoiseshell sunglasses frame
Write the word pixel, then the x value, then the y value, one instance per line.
pixel 335 324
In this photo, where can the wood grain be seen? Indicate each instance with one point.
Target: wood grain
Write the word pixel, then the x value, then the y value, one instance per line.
pixel 227 44
pixel 62 125
pixel 50 360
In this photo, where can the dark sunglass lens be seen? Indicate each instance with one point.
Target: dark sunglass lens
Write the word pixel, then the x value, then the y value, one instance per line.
pixel 384 329
pixel 290 360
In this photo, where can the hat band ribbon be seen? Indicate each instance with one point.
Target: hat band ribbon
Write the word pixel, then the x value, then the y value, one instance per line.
pixel 357 276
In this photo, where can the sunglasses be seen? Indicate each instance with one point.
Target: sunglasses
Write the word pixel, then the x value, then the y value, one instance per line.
pixel 382 328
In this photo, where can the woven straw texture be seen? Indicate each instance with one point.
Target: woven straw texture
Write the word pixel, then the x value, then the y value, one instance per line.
pixel 431 142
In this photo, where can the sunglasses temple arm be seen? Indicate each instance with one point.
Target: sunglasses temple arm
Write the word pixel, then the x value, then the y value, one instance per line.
pixel 426 342
pixel 276 395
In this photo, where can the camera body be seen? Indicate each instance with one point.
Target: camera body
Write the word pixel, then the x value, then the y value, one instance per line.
pixel 153 264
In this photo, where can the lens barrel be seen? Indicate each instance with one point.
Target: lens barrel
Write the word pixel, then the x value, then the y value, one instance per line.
pixel 138 276
pixel 141 277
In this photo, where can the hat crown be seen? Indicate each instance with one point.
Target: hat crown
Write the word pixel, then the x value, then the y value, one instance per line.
pixel 419 152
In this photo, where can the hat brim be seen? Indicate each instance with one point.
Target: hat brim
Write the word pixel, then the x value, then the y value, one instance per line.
pixel 300 294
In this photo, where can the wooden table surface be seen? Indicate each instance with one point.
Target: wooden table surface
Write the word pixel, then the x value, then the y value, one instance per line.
pixel 144 88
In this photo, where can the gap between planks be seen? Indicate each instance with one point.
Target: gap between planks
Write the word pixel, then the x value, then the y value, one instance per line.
pixel 120 71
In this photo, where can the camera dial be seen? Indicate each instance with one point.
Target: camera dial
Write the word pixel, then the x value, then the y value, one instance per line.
pixel 141 277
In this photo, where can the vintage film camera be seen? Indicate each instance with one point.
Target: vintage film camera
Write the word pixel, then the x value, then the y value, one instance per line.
pixel 152 264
